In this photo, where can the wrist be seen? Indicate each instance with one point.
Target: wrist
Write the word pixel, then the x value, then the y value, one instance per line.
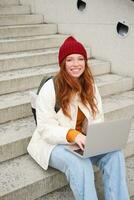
pixel 72 134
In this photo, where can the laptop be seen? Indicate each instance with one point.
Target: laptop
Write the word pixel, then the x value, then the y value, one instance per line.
pixel 103 137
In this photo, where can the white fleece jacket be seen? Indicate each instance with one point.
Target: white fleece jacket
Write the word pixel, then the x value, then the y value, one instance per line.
pixel 53 127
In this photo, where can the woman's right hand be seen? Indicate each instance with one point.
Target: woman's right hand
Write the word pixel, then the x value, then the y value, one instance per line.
pixel 80 140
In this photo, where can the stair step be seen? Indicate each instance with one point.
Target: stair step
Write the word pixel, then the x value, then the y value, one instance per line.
pixel 13 81
pixel 20 177
pixel 28 59
pixel 17 105
pixel 14 9
pixel 30 43
pixel 119 105
pixel 24 79
pixel 38 57
pixel 27 30
pixel 129 149
pixel 14 106
pixel 20 19
pixel 64 193
pixel 100 66
pixel 24 179
pixel 113 84
pixel 16 135
pixel 7 2
pixel 130 175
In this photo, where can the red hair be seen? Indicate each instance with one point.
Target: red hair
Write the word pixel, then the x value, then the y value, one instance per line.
pixel 67 87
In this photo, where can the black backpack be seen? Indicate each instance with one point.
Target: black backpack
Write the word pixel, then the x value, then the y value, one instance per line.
pixel 57 106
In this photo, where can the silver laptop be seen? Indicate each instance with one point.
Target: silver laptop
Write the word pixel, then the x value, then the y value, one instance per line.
pixel 103 138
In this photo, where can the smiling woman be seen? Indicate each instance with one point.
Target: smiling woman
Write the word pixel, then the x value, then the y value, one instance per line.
pixel 75 65
pixel 75 75
pixel 80 106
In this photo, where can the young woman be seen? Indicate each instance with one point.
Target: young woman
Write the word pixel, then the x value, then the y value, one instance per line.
pixel 80 104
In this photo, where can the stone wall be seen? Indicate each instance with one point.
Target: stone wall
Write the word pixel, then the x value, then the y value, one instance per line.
pixel 95 26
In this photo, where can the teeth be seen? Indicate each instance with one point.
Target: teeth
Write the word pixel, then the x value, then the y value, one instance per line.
pixel 75 70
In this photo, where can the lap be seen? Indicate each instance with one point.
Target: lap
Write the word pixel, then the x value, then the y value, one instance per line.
pixel 61 158
pixel 105 158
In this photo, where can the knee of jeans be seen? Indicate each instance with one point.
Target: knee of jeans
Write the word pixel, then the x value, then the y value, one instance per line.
pixel 78 166
pixel 117 155
pixel 111 159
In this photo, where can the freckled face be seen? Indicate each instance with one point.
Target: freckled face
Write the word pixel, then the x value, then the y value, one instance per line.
pixel 75 65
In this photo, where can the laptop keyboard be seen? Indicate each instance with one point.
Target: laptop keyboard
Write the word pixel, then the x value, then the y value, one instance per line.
pixel 79 151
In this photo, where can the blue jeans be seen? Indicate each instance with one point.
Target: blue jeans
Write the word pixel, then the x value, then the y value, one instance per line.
pixel 80 174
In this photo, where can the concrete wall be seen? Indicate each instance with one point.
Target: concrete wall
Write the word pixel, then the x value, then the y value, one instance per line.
pixel 95 26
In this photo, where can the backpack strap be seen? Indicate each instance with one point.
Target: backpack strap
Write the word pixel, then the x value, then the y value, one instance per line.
pixel 57 103
pixel 43 81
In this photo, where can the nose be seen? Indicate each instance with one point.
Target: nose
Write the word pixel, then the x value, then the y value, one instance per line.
pixel 76 62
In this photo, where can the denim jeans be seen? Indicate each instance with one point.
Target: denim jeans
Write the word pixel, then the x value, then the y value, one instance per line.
pixel 80 174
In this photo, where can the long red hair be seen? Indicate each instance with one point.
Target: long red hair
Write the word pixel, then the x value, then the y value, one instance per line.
pixel 67 87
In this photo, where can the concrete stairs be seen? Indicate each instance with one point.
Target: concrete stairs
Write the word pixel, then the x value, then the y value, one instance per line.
pixel 30 43
pixel 28 51
pixel 27 30
pixel 20 19
pixel 14 9
pixel 11 2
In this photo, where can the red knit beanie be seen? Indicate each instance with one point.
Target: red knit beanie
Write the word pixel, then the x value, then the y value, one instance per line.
pixel 71 46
